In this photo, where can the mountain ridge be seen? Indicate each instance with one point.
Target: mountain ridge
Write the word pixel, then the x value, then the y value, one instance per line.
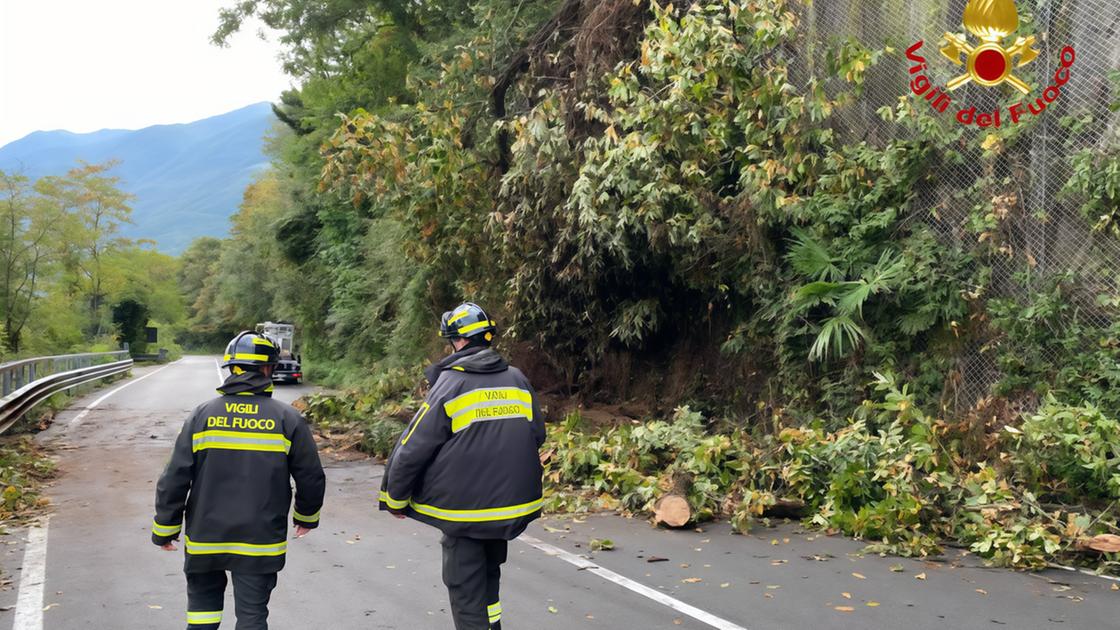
pixel 187 178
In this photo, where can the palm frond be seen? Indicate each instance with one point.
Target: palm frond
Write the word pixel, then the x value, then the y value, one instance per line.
pixel 811 259
pixel 838 336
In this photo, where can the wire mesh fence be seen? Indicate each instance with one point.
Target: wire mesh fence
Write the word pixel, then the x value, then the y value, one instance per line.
pixel 1039 231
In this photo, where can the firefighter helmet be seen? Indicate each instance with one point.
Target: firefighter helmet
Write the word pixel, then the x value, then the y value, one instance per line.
pixel 466 320
pixel 250 349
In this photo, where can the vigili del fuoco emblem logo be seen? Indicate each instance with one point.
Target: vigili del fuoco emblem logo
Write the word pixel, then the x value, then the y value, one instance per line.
pixel 989 62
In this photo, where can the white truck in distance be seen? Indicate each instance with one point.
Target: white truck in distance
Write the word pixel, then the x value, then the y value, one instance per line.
pixel 288 370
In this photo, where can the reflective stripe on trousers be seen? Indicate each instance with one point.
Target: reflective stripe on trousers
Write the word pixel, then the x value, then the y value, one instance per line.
pixel 204 618
pixel 472 571
pixel 206 594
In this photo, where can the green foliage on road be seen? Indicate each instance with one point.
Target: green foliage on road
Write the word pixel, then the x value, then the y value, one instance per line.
pixel 68 280
pixel 894 476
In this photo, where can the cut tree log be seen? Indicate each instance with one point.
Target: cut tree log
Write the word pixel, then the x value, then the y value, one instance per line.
pixel 672 510
pixel 1105 543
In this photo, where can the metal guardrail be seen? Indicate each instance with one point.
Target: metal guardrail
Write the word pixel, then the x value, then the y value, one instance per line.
pixel 31 386
pixel 16 374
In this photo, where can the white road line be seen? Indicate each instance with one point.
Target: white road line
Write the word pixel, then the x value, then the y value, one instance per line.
pixel 81 416
pixel 29 605
pixel 221 379
pixel 627 583
pixel 1085 571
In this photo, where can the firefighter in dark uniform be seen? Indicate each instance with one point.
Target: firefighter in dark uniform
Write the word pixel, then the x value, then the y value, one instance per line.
pixel 229 474
pixel 468 464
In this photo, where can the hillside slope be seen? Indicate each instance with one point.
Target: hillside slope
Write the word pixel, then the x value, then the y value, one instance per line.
pixel 187 178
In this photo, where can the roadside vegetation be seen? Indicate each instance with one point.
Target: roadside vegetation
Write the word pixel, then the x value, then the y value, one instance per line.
pixel 717 288
pixel 69 282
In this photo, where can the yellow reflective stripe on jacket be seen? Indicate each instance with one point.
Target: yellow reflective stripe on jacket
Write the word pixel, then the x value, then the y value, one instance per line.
pixel 314 518
pixel 241 441
pixel 494 611
pixel 165 530
pixel 236 548
pixel 490 403
pixel 203 618
pixel 419 416
pixel 391 502
pixel 488 394
pixel 245 356
pixel 478 516
pixel 475 326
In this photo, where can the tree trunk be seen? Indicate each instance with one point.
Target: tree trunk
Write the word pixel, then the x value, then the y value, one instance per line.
pixel 672 509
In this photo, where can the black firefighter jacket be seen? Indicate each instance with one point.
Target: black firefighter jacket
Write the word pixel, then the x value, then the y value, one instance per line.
pixel 468 462
pixel 230 473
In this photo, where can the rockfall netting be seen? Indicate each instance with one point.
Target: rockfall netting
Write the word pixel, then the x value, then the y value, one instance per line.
pixel 1039 219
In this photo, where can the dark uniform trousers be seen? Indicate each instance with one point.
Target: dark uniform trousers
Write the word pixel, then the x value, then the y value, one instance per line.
pixel 472 570
pixel 206 596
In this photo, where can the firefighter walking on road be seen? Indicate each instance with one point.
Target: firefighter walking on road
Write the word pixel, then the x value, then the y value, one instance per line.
pixel 468 464
pixel 229 475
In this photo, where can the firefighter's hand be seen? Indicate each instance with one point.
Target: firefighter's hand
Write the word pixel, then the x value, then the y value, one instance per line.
pixel 301 531
pixel 400 516
pixel 168 546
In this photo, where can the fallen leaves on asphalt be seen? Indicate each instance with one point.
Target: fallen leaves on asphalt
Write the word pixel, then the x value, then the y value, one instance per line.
pixel 602 544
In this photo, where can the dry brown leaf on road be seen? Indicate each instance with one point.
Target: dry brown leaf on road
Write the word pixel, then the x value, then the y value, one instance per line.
pixel 845 608
pixel 859 576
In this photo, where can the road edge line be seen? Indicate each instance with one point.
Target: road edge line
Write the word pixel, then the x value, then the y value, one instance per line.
pixel 32 580
pixel 81 416
pixel 625 582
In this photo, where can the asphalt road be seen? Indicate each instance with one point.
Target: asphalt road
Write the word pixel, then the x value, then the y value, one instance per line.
pixel 362 569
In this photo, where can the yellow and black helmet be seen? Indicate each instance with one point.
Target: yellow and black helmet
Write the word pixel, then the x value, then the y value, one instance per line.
pixel 466 320
pixel 250 349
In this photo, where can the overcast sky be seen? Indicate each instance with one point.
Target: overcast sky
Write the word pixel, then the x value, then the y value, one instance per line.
pixel 84 65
